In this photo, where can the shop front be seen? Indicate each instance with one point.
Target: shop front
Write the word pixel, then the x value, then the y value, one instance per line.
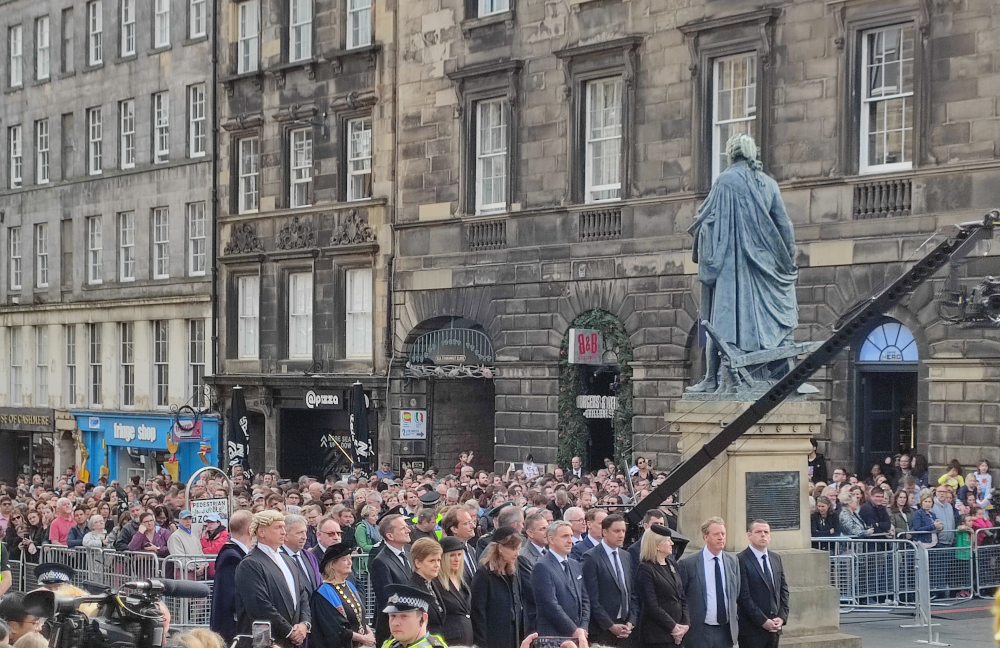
pixel 145 445
pixel 28 441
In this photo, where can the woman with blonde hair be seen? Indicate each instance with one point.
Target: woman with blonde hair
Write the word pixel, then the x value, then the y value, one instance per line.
pixel 206 638
pixel 426 556
pixel 497 615
pixel 366 532
pixel 664 618
pixel 455 594
pixel 851 523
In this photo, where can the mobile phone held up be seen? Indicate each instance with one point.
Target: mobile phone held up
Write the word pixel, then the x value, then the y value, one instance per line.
pixel 261 634
pixel 551 642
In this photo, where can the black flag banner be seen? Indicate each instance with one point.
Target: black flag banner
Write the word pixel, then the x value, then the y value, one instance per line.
pixel 239 433
pixel 359 428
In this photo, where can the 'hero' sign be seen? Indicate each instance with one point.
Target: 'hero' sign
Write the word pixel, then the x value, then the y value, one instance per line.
pixel 586 346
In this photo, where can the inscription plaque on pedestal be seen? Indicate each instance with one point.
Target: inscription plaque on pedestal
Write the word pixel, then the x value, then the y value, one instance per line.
pixel 774 496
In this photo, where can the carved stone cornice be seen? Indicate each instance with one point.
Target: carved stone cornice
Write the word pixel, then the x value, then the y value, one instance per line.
pixel 243 240
pixel 243 122
pixel 354 100
pixel 764 19
pixel 352 229
pixel 369 53
pixel 293 112
pixel 296 235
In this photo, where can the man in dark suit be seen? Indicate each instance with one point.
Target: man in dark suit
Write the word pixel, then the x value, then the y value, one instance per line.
pixel 296 533
pixel 328 533
pixel 608 577
pixel 268 587
pixel 557 580
pixel 460 523
pixel 763 600
pixel 592 537
pixel 652 516
pixel 392 565
pixel 711 580
pixel 224 612
pixel 535 526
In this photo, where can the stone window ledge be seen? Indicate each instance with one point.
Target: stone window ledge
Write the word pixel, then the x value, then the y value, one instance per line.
pixel 229 82
pixel 280 72
pixel 370 52
pixel 471 24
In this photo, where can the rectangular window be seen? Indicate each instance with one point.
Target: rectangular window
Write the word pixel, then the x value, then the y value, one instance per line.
pixel 16 39
pixel 70 335
pixel 197 239
pixel 248 51
pixel 161 360
pixel 491 156
pixel 126 246
pixel 197 19
pixel 359 313
pixel 161 127
pixel 604 140
pixel 302 163
pixel 197 126
pixel 14 247
pixel 734 104
pixel 161 243
pixel 248 298
pixel 300 299
pixel 95 396
pixel 41 366
pixel 42 151
pixel 16 360
pixel 41 255
pixel 248 172
pixel 68 40
pixel 887 100
pixel 359 159
pixel 196 362
pixel 300 30
pixel 127 154
pixel 126 367
pixel 42 48
pixel 128 27
pixel 16 159
pixel 161 23
pixel 95 141
pixel 95 250
pixel 489 7
pixel 95 32
pixel 359 23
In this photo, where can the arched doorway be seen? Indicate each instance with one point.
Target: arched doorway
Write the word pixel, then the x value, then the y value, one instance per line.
pixel 886 404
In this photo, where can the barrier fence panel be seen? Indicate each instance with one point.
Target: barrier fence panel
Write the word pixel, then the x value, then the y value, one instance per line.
pixel 950 571
pixel 359 565
pixel 190 612
pixel 986 558
pixel 872 573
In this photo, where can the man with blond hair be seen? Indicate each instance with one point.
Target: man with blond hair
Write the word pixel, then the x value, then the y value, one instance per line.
pixel 711 580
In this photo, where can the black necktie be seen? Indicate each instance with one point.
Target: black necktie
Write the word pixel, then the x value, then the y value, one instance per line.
pixel 406 563
pixel 767 573
pixel 300 561
pixel 721 610
pixel 619 576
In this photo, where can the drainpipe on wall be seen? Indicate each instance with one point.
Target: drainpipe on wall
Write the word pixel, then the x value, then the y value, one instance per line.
pixel 215 188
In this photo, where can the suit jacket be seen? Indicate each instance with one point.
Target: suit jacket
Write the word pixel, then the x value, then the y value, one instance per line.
pixel 262 595
pixel 760 599
pixel 385 569
pixel 692 570
pixel 567 606
pixel 604 591
pixel 582 547
pixel 314 580
pixel 223 619
pixel 664 605
pixel 526 560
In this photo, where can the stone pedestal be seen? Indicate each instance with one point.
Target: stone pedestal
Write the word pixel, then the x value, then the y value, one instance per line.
pixel 778 443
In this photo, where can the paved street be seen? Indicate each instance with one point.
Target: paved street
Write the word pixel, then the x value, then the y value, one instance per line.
pixel 969 625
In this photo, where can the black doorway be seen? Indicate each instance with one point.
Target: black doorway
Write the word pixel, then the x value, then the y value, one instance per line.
pixel 887 416
pixel 599 381
pixel 463 418
pixel 309 443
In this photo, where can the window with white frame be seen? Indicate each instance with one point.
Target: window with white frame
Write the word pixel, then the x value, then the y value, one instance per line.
pixel 603 157
pixel 95 250
pixel 197 126
pixel 490 7
pixel 300 30
pixel 42 151
pixel 128 27
pixel 16 41
pixel 196 362
pixel 161 127
pixel 248 175
pixel 734 103
pixel 126 246
pixel 359 313
pixel 42 48
pixel 491 156
pixel 69 335
pixel 161 363
pixel 41 366
pixel 127 127
pixel 248 315
pixel 126 364
pixel 95 377
pixel 359 158
pixel 16 156
pixel 359 23
pixel 302 163
pixel 41 255
pixel 300 306
pixel 197 239
pixel 197 19
pixel 161 243
pixel 14 254
pixel 248 37
pixel 95 33
pixel 16 368
pixel 161 23
pixel 95 141
pixel 68 41
pixel 886 131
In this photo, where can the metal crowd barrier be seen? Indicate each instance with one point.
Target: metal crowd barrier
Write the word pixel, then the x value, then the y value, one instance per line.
pixel 870 572
pixel 359 566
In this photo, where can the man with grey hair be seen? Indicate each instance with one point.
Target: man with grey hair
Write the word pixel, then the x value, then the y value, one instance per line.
pixel 296 532
pixel 558 581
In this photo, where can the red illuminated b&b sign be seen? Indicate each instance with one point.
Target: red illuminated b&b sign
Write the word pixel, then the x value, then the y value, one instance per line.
pixel 586 346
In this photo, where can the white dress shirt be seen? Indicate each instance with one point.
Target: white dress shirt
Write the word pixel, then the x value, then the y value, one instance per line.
pixel 239 544
pixel 540 549
pixel 760 561
pixel 711 610
pixel 285 570
pixel 614 557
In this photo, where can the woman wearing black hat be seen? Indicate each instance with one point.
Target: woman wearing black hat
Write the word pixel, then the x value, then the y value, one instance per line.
pixel 455 594
pixel 664 618
pixel 338 617
pixel 497 615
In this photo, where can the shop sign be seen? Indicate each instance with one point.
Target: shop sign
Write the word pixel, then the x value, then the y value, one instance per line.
pixel 132 431
pixel 318 400
pixel 586 346
pixel 26 419
pixel 200 508
pixel 414 463
pixel 597 407
pixel 413 424
pixel 187 431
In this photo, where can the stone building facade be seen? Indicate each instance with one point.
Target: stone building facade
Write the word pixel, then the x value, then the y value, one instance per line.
pixel 552 155
pixel 306 187
pixel 106 219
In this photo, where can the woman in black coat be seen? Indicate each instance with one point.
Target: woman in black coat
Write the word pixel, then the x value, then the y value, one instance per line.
pixel 664 618
pixel 455 594
pixel 497 616
pixel 338 615
pixel 426 556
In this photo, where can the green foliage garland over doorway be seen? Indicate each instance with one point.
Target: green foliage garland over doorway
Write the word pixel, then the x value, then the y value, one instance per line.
pixel 572 424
